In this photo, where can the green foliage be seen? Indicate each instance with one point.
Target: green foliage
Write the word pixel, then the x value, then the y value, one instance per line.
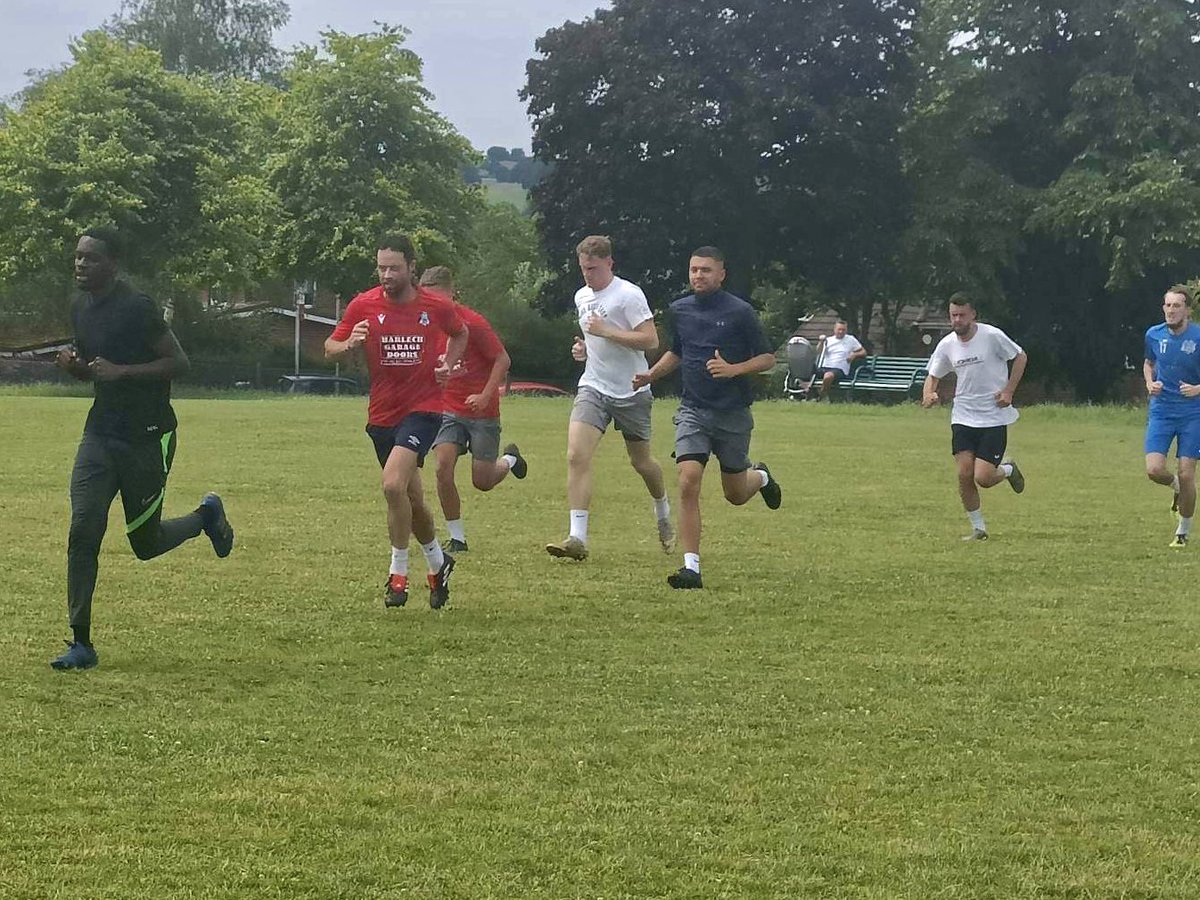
pixel 501 275
pixel 224 37
pixel 1054 150
pixel 115 138
pixel 766 128
pixel 359 152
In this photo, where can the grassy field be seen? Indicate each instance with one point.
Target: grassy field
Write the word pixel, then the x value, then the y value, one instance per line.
pixel 858 705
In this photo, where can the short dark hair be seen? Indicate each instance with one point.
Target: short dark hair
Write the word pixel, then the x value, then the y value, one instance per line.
pixel 842 322
pixel 709 252
pixel 1181 289
pixel 961 298
pixel 401 243
pixel 114 246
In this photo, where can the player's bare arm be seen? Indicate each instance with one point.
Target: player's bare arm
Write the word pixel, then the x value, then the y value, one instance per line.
pixel 455 347
pixel 719 367
pixel 643 337
pixel 358 336
pixel 929 394
pixel 667 363
pixel 500 366
pixel 1153 386
pixel 69 361
pixel 1004 397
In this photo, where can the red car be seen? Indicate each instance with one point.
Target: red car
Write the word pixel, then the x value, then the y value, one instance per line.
pixel 532 389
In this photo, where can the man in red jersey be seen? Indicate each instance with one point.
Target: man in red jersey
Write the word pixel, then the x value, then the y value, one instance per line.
pixel 471 414
pixel 400 327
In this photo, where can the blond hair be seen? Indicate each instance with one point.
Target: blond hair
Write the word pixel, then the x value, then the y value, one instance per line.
pixel 597 246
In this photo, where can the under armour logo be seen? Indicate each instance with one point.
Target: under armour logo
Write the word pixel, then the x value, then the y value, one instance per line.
pixel 414 440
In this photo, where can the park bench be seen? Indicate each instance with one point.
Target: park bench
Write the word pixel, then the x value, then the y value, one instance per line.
pixel 896 374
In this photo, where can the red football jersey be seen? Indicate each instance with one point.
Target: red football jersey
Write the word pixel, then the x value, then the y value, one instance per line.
pixel 402 347
pixel 472 374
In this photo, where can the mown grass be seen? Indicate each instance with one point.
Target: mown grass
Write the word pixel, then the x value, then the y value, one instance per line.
pixel 858 705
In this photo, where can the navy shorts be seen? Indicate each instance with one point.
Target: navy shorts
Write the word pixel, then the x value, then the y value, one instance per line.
pixel 984 443
pixel 414 432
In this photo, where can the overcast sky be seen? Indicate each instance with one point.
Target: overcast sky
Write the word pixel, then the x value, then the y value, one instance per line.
pixel 474 50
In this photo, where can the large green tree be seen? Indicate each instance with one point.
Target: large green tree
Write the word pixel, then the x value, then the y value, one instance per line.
pixel 767 128
pixel 226 37
pixel 360 152
pixel 1055 149
pixel 115 138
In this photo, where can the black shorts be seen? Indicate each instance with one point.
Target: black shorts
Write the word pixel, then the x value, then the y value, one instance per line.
pixel 414 432
pixel 984 443
pixel 837 373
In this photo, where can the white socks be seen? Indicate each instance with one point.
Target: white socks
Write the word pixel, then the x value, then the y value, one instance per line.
pixel 1185 526
pixel 456 529
pixel 1006 468
pixel 579 524
pixel 764 476
pixel 976 517
pixel 509 460
pixel 433 555
pixel 399 562
pixel 692 561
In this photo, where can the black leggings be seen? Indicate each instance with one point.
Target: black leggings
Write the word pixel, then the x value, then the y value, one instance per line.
pixel 138 470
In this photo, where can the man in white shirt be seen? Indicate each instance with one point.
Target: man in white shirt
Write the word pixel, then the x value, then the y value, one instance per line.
pixel 978 355
pixel 840 352
pixel 618 329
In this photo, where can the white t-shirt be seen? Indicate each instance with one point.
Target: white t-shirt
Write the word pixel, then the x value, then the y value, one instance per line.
pixel 838 350
pixel 611 366
pixel 981 365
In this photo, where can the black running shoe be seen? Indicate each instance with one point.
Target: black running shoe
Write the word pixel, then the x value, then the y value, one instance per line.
pixel 771 493
pixel 216 525
pixel 520 468
pixel 1016 480
pixel 1175 502
pixel 685 579
pixel 78 656
pixel 454 545
pixel 439 584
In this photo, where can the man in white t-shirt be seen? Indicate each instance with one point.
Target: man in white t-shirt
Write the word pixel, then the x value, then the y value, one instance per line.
pixel 978 355
pixel 840 352
pixel 618 329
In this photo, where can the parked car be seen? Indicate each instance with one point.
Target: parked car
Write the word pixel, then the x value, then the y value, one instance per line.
pixel 316 384
pixel 532 389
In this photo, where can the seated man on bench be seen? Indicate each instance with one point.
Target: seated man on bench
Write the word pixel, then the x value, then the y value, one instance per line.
pixel 840 351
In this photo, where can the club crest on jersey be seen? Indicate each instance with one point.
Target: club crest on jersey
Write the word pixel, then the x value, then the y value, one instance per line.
pixel 424 319
pixel 381 317
pixel 1188 347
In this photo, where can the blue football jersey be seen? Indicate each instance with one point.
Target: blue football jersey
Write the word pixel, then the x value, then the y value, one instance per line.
pixel 1176 359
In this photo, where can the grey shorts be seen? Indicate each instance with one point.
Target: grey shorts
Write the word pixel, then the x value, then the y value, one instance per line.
pixel 631 415
pixel 724 433
pixel 480 436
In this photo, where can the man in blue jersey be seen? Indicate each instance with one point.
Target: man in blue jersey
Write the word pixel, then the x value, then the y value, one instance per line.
pixel 1172 372
pixel 720 345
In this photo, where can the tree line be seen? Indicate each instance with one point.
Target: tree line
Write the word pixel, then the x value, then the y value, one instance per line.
pixel 856 154
pixel 853 154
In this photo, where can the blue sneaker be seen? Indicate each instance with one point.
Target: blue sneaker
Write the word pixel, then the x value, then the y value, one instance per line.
pixel 216 526
pixel 78 656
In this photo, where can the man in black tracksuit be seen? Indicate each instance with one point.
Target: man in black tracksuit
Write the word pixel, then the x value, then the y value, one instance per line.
pixel 125 348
